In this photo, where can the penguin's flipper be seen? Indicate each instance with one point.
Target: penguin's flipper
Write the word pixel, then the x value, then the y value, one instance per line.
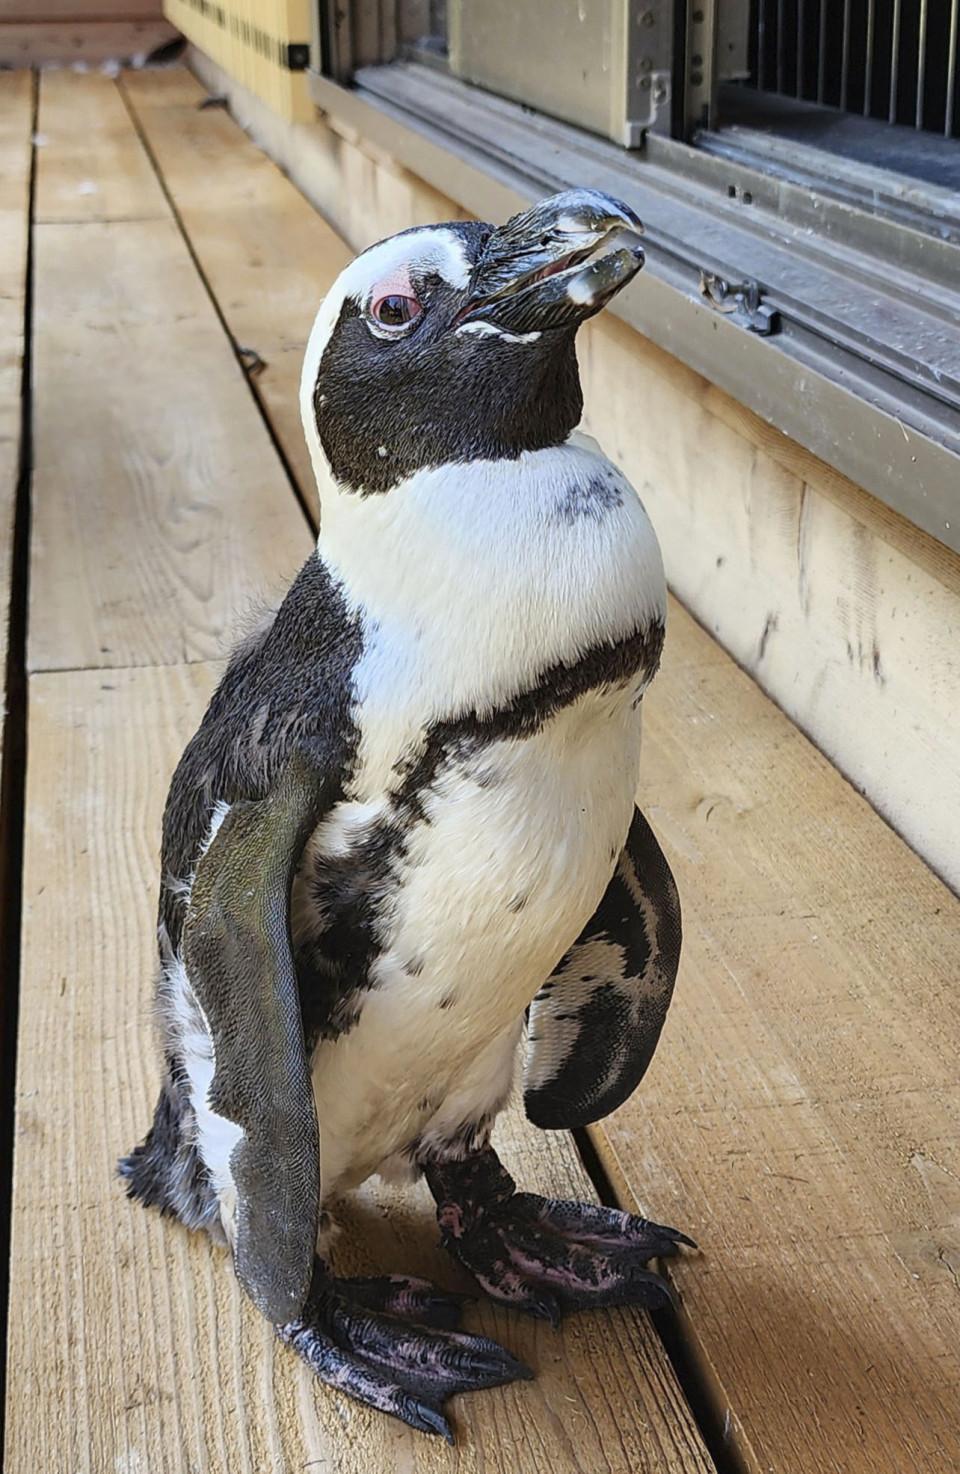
pixel 237 952
pixel 595 1023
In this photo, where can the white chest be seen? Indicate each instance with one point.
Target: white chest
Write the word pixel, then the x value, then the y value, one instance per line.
pixel 472 581
pixel 516 847
pixel 474 586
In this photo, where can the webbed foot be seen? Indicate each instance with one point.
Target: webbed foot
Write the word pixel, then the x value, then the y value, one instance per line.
pixel 542 1255
pixel 408 1298
pixel 386 1342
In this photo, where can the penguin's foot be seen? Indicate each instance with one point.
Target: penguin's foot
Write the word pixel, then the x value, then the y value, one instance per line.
pixel 409 1298
pixel 544 1256
pixel 386 1342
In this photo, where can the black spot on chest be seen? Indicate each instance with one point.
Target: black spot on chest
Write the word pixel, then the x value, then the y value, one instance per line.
pixel 590 499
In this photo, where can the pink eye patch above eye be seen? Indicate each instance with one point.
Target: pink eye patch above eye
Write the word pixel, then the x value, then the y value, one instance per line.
pixel 397 284
pixel 393 302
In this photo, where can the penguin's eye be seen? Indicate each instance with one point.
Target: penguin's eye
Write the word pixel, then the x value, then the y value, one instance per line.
pixel 395 311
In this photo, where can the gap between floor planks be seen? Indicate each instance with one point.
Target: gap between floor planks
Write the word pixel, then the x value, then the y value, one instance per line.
pixel 17 118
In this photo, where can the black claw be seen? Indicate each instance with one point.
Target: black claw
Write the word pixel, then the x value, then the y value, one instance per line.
pixel 662 1290
pixel 426 1419
pixel 544 1307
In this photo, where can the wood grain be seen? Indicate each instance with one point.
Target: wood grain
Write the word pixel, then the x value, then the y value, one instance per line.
pixel 160 509
pixel 131 1347
pixel 77 11
pixel 802 1118
pixel 268 256
pixel 91 165
pixel 62 42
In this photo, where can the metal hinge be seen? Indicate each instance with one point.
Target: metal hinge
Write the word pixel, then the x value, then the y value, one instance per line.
pixel 740 300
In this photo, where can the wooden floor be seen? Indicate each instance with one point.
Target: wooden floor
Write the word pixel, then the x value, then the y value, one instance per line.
pixel 801 1118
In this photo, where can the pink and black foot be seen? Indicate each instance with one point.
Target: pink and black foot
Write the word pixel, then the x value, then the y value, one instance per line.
pixel 391 1343
pixel 541 1255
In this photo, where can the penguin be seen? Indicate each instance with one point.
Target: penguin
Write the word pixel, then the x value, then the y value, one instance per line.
pixel 401 859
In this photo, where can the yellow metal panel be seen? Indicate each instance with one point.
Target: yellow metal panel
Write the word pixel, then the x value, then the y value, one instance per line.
pixel 251 40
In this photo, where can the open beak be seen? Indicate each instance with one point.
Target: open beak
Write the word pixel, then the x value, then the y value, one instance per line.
pixel 556 264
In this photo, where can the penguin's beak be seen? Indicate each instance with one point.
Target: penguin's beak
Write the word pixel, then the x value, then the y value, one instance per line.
pixel 556 264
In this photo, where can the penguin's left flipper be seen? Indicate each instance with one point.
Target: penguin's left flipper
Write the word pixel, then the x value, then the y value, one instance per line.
pixel 595 1024
pixel 379 1342
pixel 238 956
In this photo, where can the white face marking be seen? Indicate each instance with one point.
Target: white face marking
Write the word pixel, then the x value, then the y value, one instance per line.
pixel 439 250
pixel 487 328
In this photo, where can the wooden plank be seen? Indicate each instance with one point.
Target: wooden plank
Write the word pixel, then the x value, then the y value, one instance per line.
pixel 91 165
pixel 267 254
pixel 79 11
pixel 802 1118
pixel 131 1347
pixel 35 43
pixel 160 509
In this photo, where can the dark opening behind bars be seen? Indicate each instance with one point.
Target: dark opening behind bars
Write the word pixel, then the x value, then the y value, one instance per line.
pixel 894 60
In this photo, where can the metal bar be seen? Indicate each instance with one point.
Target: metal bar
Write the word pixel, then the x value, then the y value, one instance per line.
pixel 894 62
pixel 822 53
pixel 951 68
pixel 868 59
pixel 780 44
pixel 845 56
pixel 700 91
pixel 800 35
pixel 761 38
pixel 921 64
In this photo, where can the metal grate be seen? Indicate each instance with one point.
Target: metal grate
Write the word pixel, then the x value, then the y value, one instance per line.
pixel 893 60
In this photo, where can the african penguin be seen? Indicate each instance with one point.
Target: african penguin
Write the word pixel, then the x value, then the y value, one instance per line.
pixel 402 847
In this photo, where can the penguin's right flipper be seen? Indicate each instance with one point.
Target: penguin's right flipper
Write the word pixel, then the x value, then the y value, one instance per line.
pixel 238 957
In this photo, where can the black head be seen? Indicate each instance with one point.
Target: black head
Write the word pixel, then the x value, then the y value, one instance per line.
pixel 456 342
